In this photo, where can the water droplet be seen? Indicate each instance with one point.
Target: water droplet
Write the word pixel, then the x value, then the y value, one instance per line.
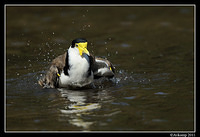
pixel 53 33
pixel 126 78
pixel 120 71
pixel 116 52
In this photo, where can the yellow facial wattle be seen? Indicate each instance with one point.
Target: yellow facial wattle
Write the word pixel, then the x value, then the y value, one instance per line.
pixel 82 47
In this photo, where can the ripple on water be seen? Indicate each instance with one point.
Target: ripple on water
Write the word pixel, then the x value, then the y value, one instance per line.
pixel 124 45
pixel 160 93
pixel 120 103
pixel 159 120
pixel 131 97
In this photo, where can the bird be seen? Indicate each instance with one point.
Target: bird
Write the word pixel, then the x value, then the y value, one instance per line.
pixel 76 68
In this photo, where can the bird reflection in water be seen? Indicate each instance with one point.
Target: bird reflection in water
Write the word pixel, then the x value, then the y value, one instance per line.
pixel 81 105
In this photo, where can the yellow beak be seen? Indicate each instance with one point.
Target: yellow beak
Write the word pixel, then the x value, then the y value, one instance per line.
pixel 82 47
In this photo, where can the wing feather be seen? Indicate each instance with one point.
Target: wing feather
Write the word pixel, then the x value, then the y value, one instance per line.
pixel 103 68
pixel 50 79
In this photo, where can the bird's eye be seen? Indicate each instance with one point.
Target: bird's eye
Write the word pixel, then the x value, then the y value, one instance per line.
pixel 76 45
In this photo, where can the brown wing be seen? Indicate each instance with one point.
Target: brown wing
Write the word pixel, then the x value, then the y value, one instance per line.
pixel 59 62
pixel 50 79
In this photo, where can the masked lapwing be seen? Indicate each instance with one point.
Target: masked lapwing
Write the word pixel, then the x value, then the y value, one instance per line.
pixel 76 68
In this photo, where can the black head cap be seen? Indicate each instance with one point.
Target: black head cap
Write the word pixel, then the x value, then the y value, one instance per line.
pixel 78 40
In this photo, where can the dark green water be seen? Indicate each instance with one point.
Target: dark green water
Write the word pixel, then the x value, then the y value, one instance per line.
pixel 152 49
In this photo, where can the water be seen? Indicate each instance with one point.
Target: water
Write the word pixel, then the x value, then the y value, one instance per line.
pixel 153 53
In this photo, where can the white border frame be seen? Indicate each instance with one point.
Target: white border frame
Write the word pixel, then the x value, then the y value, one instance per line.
pixel 100 5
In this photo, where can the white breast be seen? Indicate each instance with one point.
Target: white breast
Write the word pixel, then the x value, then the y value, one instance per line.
pixel 78 70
